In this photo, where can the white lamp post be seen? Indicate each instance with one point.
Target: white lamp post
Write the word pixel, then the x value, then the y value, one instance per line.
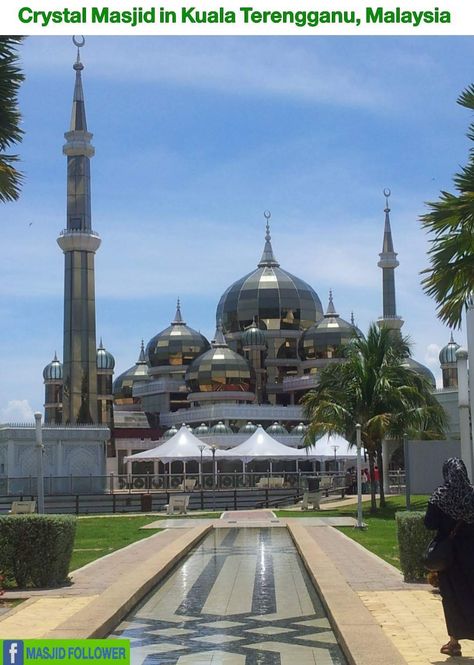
pixel 201 447
pixel 39 453
pixel 360 524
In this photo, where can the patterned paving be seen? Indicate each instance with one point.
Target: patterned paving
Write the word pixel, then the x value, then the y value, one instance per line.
pixel 242 597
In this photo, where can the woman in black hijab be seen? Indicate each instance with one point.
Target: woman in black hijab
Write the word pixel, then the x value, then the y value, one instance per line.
pixel 452 507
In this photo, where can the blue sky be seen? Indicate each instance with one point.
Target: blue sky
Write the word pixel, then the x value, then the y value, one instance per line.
pixel 195 138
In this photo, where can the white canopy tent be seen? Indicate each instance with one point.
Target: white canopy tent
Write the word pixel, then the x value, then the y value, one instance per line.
pixel 181 446
pixel 261 445
pixel 333 445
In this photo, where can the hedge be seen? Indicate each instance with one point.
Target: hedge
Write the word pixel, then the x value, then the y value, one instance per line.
pixel 36 550
pixel 413 538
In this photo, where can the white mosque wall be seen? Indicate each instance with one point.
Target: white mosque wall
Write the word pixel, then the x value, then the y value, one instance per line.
pixel 74 458
pixel 425 460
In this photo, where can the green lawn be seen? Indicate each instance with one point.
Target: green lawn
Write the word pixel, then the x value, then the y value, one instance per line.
pixel 380 537
pixel 97 536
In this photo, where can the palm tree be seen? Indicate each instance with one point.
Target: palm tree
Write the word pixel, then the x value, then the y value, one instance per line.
pixel 10 131
pixel 375 388
pixel 450 278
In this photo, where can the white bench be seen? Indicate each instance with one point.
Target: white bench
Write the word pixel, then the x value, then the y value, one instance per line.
pixel 313 499
pixel 178 504
pixel 325 482
pixel 22 507
pixel 187 485
pixel 272 483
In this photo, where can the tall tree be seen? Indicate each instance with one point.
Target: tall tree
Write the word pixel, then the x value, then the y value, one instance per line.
pixel 375 388
pixel 10 130
pixel 450 277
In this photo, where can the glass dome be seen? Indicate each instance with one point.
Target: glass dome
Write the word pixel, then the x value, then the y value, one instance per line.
pixel 276 428
pixel 201 430
pixel 53 370
pixel 123 384
pixel 220 369
pixel 253 336
pixel 422 370
pixel 105 360
pixel 273 297
pixel 176 345
pixel 327 338
pixel 220 428
pixel 170 432
pixel 447 355
pixel 249 428
pixel 299 430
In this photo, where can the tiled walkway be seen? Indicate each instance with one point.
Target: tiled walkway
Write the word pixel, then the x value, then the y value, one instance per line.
pixel 242 598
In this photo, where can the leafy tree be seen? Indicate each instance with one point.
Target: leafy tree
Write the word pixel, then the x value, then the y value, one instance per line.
pixel 450 278
pixel 375 388
pixel 10 131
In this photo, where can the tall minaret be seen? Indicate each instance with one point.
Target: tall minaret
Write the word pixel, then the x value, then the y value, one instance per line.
pixel 79 244
pixel 388 262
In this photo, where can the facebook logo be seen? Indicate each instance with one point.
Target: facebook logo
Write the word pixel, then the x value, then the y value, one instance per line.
pixel 12 652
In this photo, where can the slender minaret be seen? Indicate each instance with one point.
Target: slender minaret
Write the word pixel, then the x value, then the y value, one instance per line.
pixel 388 262
pixel 79 244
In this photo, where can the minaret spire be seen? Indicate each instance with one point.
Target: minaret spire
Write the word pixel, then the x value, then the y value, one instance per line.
pixel 331 310
pixel 388 262
pixel 79 244
pixel 178 317
pixel 268 257
pixel 219 339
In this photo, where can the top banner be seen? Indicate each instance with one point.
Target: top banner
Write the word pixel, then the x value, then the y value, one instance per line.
pixel 238 17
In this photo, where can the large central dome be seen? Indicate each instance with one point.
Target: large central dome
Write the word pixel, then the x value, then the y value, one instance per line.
pixel 275 298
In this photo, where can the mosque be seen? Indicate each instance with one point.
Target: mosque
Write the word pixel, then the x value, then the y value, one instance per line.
pixel 272 339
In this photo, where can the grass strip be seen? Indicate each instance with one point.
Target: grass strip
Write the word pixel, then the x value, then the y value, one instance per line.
pixel 380 536
pixel 101 535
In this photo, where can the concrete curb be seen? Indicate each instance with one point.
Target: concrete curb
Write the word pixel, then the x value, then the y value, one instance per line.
pixel 105 612
pixel 359 635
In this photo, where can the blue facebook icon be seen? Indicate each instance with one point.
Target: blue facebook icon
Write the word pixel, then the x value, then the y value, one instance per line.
pixel 12 652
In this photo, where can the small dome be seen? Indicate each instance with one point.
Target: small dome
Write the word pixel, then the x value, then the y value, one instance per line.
pixel 249 428
pixel 189 428
pixel 447 355
pixel 220 369
pixel 421 370
pixel 123 384
pixel 299 430
pixel 105 359
pixel 276 428
pixel 176 345
pixel 253 336
pixel 327 338
pixel 220 428
pixel 270 295
pixel 201 430
pixel 53 371
pixel 170 432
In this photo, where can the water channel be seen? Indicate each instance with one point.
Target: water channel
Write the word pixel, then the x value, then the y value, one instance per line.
pixel 241 597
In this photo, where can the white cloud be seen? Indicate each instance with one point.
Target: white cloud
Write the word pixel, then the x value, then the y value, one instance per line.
pixel 17 411
pixel 282 68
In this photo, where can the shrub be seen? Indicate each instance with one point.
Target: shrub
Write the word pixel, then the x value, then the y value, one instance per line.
pixel 36 549
pixel 413 538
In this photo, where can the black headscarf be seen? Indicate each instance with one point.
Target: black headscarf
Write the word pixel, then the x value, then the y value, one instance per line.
pixel 456 496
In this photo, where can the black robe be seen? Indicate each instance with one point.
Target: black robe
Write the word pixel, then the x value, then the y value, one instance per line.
pixel 456 584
